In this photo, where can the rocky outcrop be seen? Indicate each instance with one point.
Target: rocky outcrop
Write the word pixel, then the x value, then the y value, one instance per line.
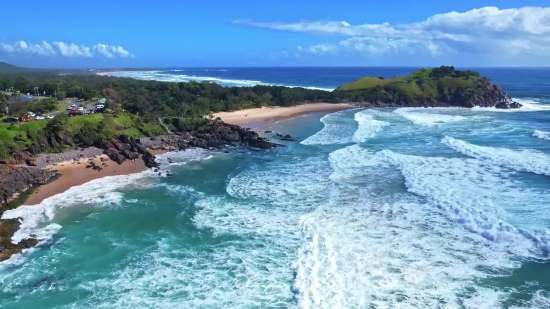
pixel 508 105
pixel 114 154
pixel 16 180
pixel 8 227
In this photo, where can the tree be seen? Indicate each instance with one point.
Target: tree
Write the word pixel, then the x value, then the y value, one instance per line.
pixel 4 97
pixel 57 124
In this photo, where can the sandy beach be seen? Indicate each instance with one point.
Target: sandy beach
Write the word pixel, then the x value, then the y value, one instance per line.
pixel 75 173
pixel 259 116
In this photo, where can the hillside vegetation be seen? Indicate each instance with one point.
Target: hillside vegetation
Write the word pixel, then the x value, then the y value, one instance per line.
pixel 426 87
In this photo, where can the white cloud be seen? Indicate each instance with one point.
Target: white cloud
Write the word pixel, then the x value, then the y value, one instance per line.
pixel 73 50
pixel 42 49
pixel 64 49
pixel 111 51
pixel 488 30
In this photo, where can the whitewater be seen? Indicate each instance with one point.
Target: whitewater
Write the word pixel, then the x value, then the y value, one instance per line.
pixel 368 208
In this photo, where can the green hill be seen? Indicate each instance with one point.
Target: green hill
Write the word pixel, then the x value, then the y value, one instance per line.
pixel 6 68
pixel 10 69
pixel 443 86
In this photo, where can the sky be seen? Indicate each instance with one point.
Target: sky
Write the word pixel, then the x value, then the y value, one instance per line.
pixel 220 33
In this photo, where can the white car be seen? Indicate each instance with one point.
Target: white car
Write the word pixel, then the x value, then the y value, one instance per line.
pixel 69 108
pixel 80 108
pixel 73 105
pixel 39 118
pixel 50 117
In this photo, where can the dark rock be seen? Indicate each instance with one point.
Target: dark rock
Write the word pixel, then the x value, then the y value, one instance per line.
pixel 129 155
pixel 508 105
pixel 28 243
pixel 18 138
pixel 149 160
pixel 16 180
pixel 115 155
pixel 31 162
pixel 268 131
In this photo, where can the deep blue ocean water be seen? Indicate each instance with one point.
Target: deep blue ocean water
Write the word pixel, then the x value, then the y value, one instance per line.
pixel 369 208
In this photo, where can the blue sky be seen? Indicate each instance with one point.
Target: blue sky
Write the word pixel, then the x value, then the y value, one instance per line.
pixel 163 33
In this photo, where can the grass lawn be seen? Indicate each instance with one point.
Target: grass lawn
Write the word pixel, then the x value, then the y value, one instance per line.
pixel 369 82
pixel 10 130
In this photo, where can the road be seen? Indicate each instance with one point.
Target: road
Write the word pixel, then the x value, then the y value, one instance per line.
pixel 69 102
pixel 24 97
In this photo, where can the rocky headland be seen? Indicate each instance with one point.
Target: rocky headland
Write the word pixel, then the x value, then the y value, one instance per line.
pixel 24 171
pixel 437 87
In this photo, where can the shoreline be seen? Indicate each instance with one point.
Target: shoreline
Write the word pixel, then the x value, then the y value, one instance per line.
pixel 256 117
pixel 74 173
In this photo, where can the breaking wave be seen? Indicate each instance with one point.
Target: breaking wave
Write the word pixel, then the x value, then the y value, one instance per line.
pixel 542 135
pixel 337 129
pixel 367 126
pixel 166 76
pixel 524 160
pixel 420 117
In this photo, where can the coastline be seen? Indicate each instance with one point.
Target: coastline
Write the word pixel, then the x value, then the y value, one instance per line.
pixel 74 173
pixel 256 117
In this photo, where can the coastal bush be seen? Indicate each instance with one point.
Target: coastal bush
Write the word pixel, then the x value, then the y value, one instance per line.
pixel 151 99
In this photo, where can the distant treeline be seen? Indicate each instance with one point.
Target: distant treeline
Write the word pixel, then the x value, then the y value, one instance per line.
pixel 155 98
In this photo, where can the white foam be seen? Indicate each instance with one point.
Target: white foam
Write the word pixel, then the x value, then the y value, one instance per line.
pixel 100 192
pixel 542 135
pixel 529 105
pixel 96 192
pixel 352 162
pixel 160 76
pixel 337 130
pixel 524 160
pixel 419 116
pixel 367 126
pixel 183 157
pixel 164 77
pixel 478 196
pixel 360 253
pixel 362 250
pixel 261 217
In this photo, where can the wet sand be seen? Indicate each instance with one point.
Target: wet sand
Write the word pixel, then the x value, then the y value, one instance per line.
pixel 74 174
pixel 260 116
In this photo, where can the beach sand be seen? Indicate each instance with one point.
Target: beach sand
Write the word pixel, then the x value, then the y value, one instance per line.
pixel 74 174
pixel 261 116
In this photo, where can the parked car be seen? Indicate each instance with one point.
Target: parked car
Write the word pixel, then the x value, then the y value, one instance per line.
pixel 81 108
pixel 39 117
pixel 50 117
pixel 72 112
pixel 11 119
pixel 73 105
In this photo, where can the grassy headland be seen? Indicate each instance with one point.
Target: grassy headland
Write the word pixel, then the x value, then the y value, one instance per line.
pixel 443 86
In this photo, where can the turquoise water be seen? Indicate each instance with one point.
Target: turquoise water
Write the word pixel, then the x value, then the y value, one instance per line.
pixel 407 208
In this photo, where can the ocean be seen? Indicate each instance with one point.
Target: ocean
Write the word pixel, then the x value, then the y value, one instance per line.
pixel 369 208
